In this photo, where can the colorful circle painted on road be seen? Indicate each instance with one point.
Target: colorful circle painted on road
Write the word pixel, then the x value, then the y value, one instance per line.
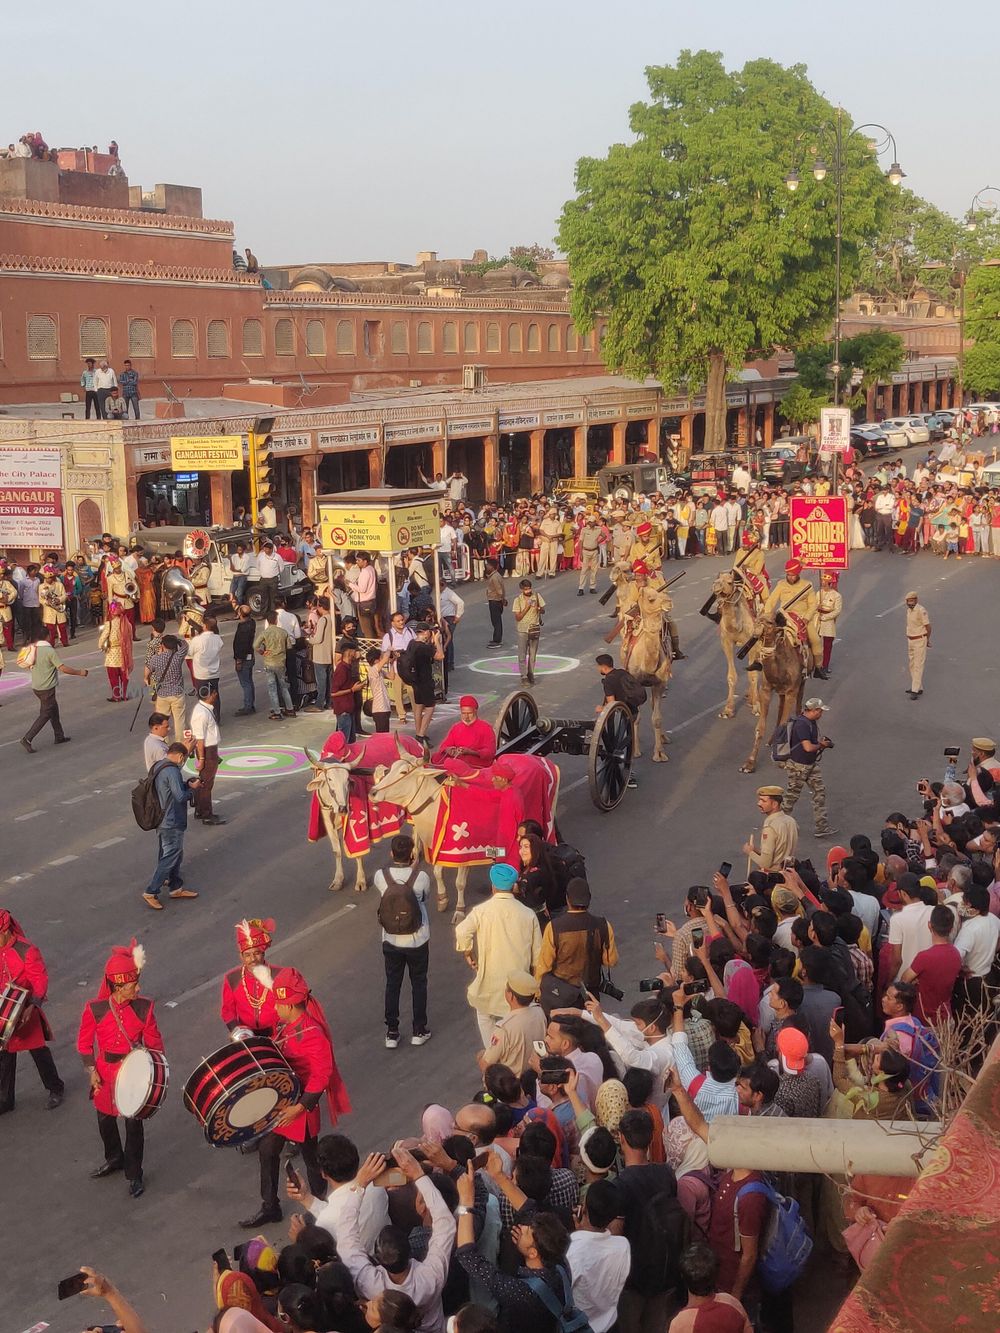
pixel 258 761
pixel 545 665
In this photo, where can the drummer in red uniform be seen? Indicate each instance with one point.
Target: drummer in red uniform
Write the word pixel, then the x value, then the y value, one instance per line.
pixel 118 1021
pixel 21 964
pixel 470 745
pixel 303 1037
pixel 247 997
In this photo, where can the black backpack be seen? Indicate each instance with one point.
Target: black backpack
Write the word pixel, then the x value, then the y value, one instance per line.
pixel 634 694
pixel 399 909
pixel 146 805
pixel 567 863
pixel 406 666
pixel 661 1236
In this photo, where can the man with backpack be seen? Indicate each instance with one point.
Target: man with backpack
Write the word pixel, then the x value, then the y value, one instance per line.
pixel 166 792
pixel 619 684
pixel 798 747
pixel 402 913
pixel 655 1225
pixel 576 947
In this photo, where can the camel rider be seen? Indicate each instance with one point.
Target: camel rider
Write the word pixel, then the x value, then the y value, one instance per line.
pixel 647 594
pixel 750 563
pixel 805 610
pixel 648 546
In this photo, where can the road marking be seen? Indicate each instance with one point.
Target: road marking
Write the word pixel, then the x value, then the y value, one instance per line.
pixel 64 860
pixel 32 814
pixel 109 842
pixel 75 800
pixel 213 982
pixel 16 879
pixel 125 782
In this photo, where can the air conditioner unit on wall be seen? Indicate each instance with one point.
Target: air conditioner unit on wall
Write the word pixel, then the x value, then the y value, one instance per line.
pixel 474 377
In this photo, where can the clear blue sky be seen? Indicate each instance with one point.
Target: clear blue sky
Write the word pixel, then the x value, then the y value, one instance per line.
pixel 330 129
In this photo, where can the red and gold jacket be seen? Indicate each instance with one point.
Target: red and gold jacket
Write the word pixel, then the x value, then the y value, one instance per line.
pixel 108 1032
pixel 22 964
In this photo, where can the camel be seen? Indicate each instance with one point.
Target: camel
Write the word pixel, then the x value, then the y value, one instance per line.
pixel 648 659
pixel 735 600
pixel 783 673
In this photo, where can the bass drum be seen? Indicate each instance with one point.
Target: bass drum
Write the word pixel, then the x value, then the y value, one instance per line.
pixel 141 1083
pixel 196 544
pixel 14 1008
pixel 239 1091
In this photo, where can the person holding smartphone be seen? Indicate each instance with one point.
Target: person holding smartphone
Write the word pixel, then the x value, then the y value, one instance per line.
pixel 806 748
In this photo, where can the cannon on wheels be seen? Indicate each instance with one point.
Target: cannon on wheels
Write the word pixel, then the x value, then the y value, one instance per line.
pixel 608 741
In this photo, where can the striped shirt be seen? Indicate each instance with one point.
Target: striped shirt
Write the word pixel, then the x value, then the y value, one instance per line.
pixel 712 1098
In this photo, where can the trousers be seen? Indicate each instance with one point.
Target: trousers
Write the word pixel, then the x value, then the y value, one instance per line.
pixel 269 1152
pixel 496 620
pixel 806 775
pixel 173 704
pixel 47 1072
pixel 48 711
pixel 527 651
pixel 170 854
pixel 134 1143
pixel 589 564
pixel 207 772
pixel 916 655
pixel 244 673
pixel 277 689
pixel 397 962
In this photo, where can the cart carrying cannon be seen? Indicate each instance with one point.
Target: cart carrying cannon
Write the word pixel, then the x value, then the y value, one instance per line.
pixel 608 741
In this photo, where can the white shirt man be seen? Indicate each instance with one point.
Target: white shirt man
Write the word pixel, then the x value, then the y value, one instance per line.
pixel 373 1214
pixel 977 942
pixel 451 603
pixel 458 487
pixel 741 478
pixel 243 564
pixel 884 502
pixel 130 563
pixel 448 538
pixel 289 622
pixel 910 930
pixel 629 1043
pixel 204 727
pixel 105 377
pixel 267 516
pixel 599 1263
pixel 205 655
pixel 720 517
pixel 154 747
pixel 270 564
pixel 734 514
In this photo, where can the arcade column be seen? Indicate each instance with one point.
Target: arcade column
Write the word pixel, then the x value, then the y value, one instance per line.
pixel 308 467
pixel 222 498
pixel 536 460
pixel 579 451
pixel 618 429
pixel 438 454
pixel 491 466
pixel 768 425
pixel 374 467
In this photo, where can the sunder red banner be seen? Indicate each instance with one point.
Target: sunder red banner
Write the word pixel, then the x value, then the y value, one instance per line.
pixel 819 531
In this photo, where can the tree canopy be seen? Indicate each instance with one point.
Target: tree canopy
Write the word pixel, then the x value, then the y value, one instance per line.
pixel 521 256
pixel 982 323
pixel 876 355
pixel 688 239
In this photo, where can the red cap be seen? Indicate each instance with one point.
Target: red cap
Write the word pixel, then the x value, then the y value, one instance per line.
pixel 468 701
pixel 644 529
pixel 290 986
pixel 793 1047
pixel 793 566
pixel 835 856
pixel 892 899
pixel 335 746
pixel 254 933
pixel 124 965
pixel 640 567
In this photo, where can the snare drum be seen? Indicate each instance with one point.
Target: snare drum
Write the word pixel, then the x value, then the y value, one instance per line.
pixel 14 1001
pixel 240 1090
pixel 141 1083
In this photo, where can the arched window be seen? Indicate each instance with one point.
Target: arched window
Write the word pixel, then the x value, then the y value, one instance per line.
pixel 182 338
pixel 570 338
pixel 217 338
pixel 400 339
pixel 534 342
pixel 492 337
pixel 140 337
pixel 602 333
pixel 43 338
pixel 587 344
pixel 253 337
pixel 554 340
pixel 425 337
pixel 93 337
pixel 514 338
pixel 284 338
pixel 316 338
pixel 470 337
pixel 345 337
pixel 449 337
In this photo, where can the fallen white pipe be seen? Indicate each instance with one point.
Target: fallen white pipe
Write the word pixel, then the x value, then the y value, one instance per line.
pixel 834 1147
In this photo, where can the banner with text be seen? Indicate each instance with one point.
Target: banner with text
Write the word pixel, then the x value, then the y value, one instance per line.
pixel 834 431
pixel 379 528
pixel 819 531
pixel 206 453
pixel 30 497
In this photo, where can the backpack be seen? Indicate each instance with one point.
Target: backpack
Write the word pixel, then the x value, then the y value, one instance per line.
pixel 925 1065
pixel 406 667
pixel 146 805
pixel 567 863
pixel 661 1236
pixel 568 1318
pixel 633 693
pixel 399 909
pixel 785 1245
pixel 26 657
pixel 781 743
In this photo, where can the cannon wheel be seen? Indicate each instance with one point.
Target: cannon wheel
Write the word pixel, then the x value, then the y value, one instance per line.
pixel 518 714
pixel 610 763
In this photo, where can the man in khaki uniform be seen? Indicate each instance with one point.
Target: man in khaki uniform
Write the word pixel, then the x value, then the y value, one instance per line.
pixel 511 1043
pixel 590 553
pixel 805 608
pixel 918 640
pixel 549 544
pixel 646 593
pixel 779 836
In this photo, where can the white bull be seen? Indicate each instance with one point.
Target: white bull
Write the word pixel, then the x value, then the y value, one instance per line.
pixel 331 782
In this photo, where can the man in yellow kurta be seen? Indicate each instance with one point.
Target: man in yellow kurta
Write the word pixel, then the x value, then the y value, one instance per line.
pixel 498 937
pixel 647 546
pixel 805 608
pixel 750 563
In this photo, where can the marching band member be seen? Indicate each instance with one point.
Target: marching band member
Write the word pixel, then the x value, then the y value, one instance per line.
pixel 52 596
pixel 115 642
pixel 8 596
pixel 111 1026
pixel 247 993
pixel 303 1037
pixel 470 744
pixel 21 964
pixel 121 587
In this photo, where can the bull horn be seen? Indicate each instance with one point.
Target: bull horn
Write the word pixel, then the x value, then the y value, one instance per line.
pixel 403 754
pixel 313 758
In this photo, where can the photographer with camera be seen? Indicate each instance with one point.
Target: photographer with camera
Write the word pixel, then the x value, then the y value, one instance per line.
pixel 577 946
pixel 802 766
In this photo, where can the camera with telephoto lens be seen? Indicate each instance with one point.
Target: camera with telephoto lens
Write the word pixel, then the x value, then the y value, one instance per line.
pixel 607 987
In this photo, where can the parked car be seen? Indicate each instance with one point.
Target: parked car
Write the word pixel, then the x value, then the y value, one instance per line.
pixel 913 428
pixel 895 438
pixel 292 582
pixel 869 441
pixel 782 463
pixel 938 423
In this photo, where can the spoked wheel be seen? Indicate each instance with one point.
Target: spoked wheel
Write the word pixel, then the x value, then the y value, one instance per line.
pixel 517 718
pixel 610 762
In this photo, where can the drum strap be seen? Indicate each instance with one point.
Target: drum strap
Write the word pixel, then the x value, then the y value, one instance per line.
pixel 121 1028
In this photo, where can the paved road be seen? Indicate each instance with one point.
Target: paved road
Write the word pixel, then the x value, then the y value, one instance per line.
pixel 73 863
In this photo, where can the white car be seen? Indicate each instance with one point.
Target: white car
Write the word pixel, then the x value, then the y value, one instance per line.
pixel 895 435
pixel 915 430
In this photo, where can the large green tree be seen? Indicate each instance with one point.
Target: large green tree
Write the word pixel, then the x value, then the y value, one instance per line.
pixel 688 239
pixel 982 324
pixel 875 356
pixel 916 247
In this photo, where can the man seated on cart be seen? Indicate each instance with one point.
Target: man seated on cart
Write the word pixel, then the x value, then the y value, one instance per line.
pixel 470 745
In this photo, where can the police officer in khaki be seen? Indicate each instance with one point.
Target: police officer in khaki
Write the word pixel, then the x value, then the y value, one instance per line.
pixel 779 835
pixel 918 640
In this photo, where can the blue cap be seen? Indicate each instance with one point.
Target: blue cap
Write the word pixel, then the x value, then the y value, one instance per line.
pixel 503 877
